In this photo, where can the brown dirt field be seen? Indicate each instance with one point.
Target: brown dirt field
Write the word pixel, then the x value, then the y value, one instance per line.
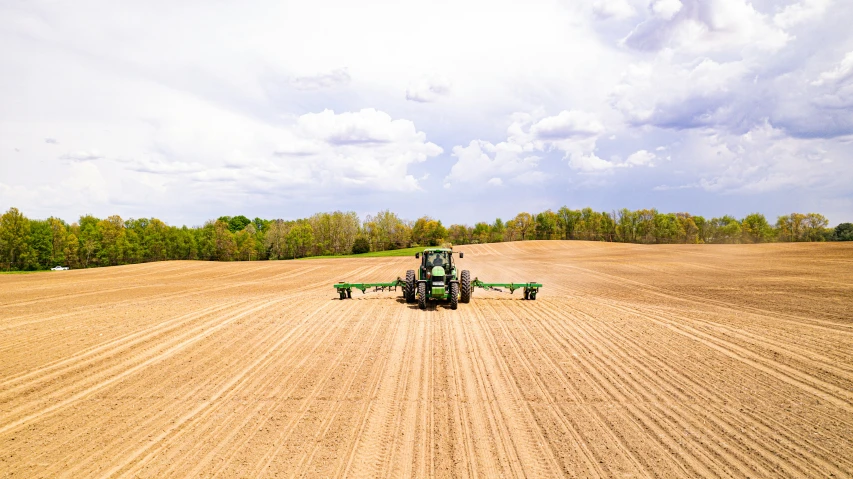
pixel 635 361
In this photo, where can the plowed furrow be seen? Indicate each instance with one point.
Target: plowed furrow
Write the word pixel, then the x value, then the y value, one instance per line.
pixel 504 448
pixel 656 412
pixel 138 458
pixel 552 353
pixel 530 380
pixel 738 419
pixel 461 425
pixel 323 457
pixel 803 380
pixel 370 400
pixel 307 403
pixel 728 425
pixel 542 460
pixel 233 414
pixel 28 411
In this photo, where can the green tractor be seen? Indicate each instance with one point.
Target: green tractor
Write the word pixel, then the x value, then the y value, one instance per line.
pixel 437 279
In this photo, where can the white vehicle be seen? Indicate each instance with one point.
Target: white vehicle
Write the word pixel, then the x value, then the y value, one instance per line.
pixel 59 268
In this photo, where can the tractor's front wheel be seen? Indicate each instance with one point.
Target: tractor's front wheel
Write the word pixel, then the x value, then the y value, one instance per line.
pixel 454 295
pixel 465 286
pixel 409 288
pixel 422 295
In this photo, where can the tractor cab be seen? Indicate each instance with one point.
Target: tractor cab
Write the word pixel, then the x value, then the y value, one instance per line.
pixel 436 262
pixel 437 258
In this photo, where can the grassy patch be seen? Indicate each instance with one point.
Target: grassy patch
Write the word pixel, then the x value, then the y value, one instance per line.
pixel 24 272
pixel 374 254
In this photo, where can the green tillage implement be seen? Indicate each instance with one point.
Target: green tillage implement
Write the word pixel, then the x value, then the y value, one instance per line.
pixel 437 279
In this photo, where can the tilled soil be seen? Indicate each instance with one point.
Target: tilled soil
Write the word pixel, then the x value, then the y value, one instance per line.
pixel 634 361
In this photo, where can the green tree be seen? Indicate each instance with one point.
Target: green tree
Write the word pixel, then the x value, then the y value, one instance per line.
pixel 843 232
pixel 14 230
pixel 497 229
pixel 481 232
pixel 702 227
pixel 88 239
pixel 299 239
pixel 567 221
pixel 275 240
pixel 111 236
pixel 39 245
pixel 225 247
pixel 689 229
pixel 756 229
pixel 238 223
pixel 791 227
pixel 814 226
pixel 427 231
pixel 459 234
pixel 667 228
pixel 725 230
pixel 58 240
pixel 645 226
pixel 546 225
pixel 360 245
pixel 626 226
pixel 523 224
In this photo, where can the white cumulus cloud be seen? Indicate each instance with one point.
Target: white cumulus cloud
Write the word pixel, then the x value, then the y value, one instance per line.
pixel 428 89
pixel 617 9
pixel 321 81
pixel 701 26
pixel 666 9
pixel 82 155
pixel 640 158
pixel 841 72
pixel 801 12
pixel 566 125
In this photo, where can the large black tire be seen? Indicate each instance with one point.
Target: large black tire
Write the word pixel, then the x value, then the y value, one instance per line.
pixel 409 287
pixel 465 286
pixel 454 295
pixel 422 295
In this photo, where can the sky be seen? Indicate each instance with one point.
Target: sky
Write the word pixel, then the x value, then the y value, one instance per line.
pixel 462 110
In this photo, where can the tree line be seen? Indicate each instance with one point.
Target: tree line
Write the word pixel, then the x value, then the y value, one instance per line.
pixel 33 244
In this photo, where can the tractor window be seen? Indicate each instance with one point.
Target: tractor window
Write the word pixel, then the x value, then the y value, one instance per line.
pixel 438 258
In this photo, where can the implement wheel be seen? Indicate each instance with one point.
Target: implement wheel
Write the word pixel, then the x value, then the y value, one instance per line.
pixel 465 285
pixel 409 287
pixel 454 295
pixel 422 295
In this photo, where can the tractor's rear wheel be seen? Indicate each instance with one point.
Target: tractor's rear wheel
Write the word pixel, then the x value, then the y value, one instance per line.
pixel 422 295
pixel 454 295
pixel 409 288
pixel 465 286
